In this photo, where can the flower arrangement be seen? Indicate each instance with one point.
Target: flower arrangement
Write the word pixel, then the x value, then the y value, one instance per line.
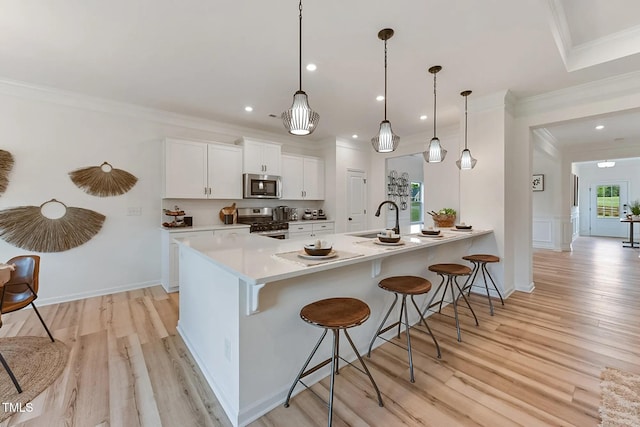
pixel 635 207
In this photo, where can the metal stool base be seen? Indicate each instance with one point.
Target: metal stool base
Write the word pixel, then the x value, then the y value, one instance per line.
pixel 334 369
pixel 450 282
pixel 403 308
pixel 482 266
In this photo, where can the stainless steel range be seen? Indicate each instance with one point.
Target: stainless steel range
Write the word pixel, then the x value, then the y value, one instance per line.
pixel 263 223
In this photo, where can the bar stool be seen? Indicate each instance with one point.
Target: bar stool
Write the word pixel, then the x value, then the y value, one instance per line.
pixel 480 264
pixel 452 272
pixel 404 285
pixel 334 314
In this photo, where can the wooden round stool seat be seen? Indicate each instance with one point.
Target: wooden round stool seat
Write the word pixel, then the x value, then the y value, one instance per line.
pixel 408 285
pixel 481 258
pixel 336 313
pixel 451 269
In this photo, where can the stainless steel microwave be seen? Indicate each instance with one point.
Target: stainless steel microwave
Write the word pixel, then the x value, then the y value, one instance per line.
pixel 261 186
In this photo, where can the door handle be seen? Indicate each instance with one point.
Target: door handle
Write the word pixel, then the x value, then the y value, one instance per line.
pixel 350 219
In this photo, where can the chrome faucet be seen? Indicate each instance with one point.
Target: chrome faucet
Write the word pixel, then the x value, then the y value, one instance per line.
pixel 396 229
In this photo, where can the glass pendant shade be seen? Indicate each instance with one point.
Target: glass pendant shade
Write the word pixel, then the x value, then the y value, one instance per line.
pixel 435 153
pixel 386 141
pixel 300 119
pixel 466 162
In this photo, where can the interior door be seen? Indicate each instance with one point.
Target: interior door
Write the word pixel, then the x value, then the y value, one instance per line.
pixel 356 200
pixel 606 208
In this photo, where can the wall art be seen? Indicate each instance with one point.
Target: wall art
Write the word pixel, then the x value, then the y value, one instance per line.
pixel 6 164
pixel 50 227
pixel 538 182
pixel 103 180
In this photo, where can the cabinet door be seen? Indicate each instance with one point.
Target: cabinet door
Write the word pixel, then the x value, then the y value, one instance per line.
pixel 292 176
pixel 271 157
pixel 185 170
pixel 261 158
pixel 225 171
pixel 313 179
pixel 252 158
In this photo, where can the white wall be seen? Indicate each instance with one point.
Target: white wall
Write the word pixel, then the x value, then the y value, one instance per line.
pixel 51 133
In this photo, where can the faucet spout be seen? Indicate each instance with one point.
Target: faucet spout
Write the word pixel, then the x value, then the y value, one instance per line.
pixel 396 229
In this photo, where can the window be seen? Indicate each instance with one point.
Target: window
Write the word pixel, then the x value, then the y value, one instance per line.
pixel 608 201
pixel 417 204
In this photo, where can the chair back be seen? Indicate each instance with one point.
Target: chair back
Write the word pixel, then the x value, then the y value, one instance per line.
pixel 25 276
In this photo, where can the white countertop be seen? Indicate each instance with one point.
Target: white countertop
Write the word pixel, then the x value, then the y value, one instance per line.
pixel 253 258
pixel 205 228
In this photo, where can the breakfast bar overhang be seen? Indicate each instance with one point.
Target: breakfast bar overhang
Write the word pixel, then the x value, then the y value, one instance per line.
pixel 241 295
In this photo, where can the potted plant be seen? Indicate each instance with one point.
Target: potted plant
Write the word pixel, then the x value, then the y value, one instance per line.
pixel 634 207
pixel 445 217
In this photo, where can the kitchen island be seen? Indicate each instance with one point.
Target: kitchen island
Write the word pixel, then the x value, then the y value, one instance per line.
pixel 241 295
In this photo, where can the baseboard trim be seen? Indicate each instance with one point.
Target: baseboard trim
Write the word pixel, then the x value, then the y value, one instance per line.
pixel 96 293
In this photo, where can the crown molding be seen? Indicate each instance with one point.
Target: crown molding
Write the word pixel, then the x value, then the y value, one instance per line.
pixel 596 91
pixel 559 28
pixel 226 132
pixel 546 142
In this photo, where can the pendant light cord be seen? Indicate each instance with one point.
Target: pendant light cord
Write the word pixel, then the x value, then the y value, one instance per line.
pixel 465 122
pixel 385 79
pixel 300 44
pixel 434 104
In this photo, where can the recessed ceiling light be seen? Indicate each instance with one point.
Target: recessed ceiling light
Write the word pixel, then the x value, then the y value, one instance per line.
pixel 599 127
pixel 248 108
pixel 379 98
pixel 311 67
pixel 423 117
pixel 354 136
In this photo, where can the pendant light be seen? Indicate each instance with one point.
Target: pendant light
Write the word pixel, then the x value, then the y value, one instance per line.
pixel 300 119
pixel 386 141
pixel 466 162
pixel 435 153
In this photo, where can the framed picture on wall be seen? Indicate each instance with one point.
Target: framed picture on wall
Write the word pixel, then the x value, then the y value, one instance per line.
pixel 538 182
pixel 575 190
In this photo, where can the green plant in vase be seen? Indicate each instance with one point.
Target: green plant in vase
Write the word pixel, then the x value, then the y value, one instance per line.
pixel 634 207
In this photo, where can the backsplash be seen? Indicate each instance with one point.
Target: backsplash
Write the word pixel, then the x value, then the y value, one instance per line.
pixel 206 212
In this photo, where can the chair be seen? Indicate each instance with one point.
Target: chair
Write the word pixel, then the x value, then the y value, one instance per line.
pixel 480 264
pixel 22 289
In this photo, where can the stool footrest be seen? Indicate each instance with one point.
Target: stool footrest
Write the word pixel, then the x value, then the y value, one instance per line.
pixel 315 368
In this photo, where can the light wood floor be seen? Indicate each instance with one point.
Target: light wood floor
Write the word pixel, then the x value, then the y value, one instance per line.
pixel 537 362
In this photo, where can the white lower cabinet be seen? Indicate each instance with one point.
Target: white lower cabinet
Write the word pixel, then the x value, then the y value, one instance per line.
pixel 170 267
pixel 301 231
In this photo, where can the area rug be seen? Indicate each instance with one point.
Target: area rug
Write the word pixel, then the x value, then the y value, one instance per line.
pixel 36 362
pixel 620 404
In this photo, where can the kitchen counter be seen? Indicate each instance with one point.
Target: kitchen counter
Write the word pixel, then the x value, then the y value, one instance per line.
pixel 241 295
pixel 205 228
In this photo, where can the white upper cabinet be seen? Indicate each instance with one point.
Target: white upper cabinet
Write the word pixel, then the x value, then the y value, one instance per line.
pixel 262 158
pixel 199 170
pixel 302 177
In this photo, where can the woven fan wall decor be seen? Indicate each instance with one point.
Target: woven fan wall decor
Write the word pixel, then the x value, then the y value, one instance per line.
pixel 27 228
pixel 103 180
pixel 6 164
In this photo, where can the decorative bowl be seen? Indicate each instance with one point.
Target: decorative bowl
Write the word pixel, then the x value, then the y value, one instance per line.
pixel 323 250
pixel 389 239
pixel 431 232
pixel 463 227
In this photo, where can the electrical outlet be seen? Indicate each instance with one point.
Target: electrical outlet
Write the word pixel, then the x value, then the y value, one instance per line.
pixel 227 349
pixel 134 211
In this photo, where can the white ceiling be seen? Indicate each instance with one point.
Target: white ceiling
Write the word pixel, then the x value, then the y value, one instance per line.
pixel 211 58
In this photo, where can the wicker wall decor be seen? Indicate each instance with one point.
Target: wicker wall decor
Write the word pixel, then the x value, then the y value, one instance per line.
pixel 103 180
pixel 6 164
pixel 27 228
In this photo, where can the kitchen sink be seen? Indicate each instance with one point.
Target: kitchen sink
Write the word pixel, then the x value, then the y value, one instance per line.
pixel 365 235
